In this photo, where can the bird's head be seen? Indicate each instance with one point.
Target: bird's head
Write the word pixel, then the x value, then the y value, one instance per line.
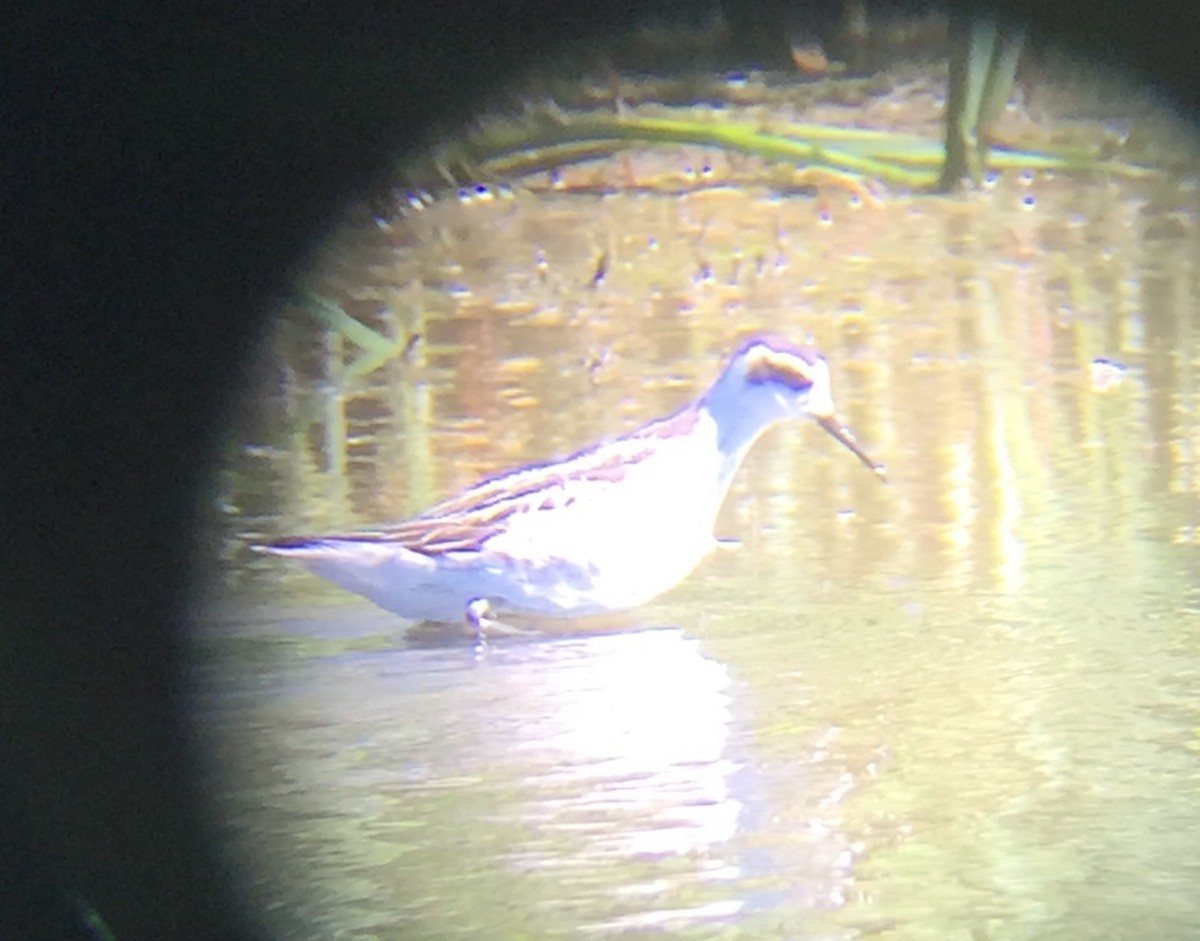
pixel 769 379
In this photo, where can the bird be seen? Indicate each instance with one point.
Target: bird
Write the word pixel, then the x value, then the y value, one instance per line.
pixel 603 530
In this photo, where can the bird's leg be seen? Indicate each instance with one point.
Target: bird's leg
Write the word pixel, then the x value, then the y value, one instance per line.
pixel 478 615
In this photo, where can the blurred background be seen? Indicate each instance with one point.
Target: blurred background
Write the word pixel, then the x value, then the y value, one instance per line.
pixel 961 704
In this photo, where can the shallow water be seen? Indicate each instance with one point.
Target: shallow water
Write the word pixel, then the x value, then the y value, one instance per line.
pixel 964 704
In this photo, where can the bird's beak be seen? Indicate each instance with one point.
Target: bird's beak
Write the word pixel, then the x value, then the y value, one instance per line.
pixel 833 425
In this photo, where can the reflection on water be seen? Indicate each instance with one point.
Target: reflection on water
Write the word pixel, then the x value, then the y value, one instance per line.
pixel 960 705
pixel 631 733
pixel 596 772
